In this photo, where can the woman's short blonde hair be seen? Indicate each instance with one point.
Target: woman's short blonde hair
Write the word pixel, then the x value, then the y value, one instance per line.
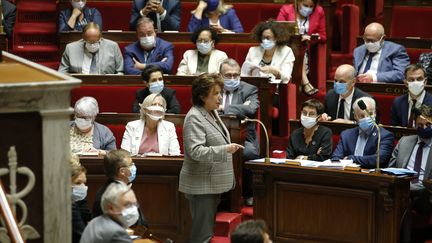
pixel 148 101
pixel 76 167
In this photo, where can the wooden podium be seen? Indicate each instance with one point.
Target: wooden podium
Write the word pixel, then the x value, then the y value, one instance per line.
pixel 303 204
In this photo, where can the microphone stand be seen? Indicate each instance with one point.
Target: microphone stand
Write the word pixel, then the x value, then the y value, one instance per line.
pixel 267 158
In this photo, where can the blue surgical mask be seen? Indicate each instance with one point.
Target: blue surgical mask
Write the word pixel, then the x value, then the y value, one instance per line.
pixel 424 133
pixel 133 171
pixel 366 124
pixel 340 88
pixel 79 193
pixel 231 84
pixel 305 11
pixel 156 87
pixel 204 48
pixel 267 44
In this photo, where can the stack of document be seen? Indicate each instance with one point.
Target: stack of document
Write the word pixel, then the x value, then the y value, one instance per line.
pixel 399 171
pixel 340 165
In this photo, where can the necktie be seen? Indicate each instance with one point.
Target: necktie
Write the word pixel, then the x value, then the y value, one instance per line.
pixel 411 117
pixel 93 69
pixel 341 111
pixel 369 62
pixel 418 159
pixel 227 100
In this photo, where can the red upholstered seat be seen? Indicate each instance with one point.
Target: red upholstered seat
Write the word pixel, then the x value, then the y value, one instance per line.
pixel 411 21
pixel 384 103
pixel 186 8
pixel 115 15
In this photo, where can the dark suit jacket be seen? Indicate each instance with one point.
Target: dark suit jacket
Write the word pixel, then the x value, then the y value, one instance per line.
pixel 80 217
pixel 9 14
pixel 331 102
pixel 162 51
pixel 171 20
pixel 173 106
pixel 393 61
pixel 246 93
pixel 90 14
pixel 97 210
pixel 348 141
pixel 228 21
pixel 399 110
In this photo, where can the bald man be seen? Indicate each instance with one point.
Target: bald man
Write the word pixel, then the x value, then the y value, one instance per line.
pixel 339 100
pixel 92 54
pixel 378 60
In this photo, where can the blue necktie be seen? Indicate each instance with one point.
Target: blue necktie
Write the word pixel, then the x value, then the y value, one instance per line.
pixel 369 62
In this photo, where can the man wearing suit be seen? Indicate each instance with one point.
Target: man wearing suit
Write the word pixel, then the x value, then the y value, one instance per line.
pixel 240 98
pixel 414 152
pixel 148 50
pixel 153 79
pixel 92 54
pixel 378 60
pixel 9 14
pixel 360 144
pixel 415 81
pixel 339 101
pixel 119 169
pixel 164 13
pixel 119 205
pixel 207 170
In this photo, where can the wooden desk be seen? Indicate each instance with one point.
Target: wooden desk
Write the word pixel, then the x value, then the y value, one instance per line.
pixel 303 204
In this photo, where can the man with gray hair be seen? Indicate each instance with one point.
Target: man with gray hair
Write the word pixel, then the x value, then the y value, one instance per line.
pixel 378 60
pixel 241 99
pixel 148 50
pixel 360 143
pixel 120 211
pixel 339 100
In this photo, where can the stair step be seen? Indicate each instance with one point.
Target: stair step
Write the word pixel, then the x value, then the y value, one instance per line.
pixel 35 28
pixel 36 12
pixel 35 48
pixel 220 239
pixel 35 34
pixel 37 6
pixel 226 223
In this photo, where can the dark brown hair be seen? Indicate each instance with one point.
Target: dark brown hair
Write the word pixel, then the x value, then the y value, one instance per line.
pixel 114 160
pixel 281 35
pixel 313 103
pixel 202 85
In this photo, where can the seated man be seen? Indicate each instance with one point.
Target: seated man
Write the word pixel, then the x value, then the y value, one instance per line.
pixel 378 60
pixel 78 16
pixel 119 169
pixel 251 231
pixel 148 50
pixel 241 99
pixel 415 81
pixel 92 54
pixel 9 15
pixel 414 152
pixel 338 104
pixel 153 79
pixel 120 211
pixel 164 13
pixel 360 143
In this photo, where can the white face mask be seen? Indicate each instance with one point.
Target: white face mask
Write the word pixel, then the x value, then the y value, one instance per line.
pixel 92 47
pixel 416 87
pixel 308 122
pixel 267 44
pixel 79 193
pixel 305 11
pixel 83 124
pixel 204 48
pixel 129 216
pixel 148 42
pixel 373 47
pixel 79 5
pixel 157 109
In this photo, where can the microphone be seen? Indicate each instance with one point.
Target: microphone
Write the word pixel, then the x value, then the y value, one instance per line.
pixel 243 117
pixel 363 107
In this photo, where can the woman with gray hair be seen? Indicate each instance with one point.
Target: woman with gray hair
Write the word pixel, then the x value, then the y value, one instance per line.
pixel 86 135
pixel 151 134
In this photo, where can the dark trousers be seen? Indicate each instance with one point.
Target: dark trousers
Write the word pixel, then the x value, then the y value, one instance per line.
pixel 203 210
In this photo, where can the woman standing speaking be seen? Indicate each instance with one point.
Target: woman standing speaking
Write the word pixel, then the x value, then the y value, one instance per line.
pixel 207 170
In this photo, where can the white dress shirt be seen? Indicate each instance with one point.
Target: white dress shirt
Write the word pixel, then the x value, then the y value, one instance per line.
pixel 425 155
pixel 374 65
pixel 87 62
pixel 347 106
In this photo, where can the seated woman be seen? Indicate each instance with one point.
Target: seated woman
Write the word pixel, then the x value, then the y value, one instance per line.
pixel 86 135
pixel 151 134
pixel 204 59
pixel 312 141
pixel 80 212
pixel 217 15
pixel 311 21
pixel 77 17
pixel 273 57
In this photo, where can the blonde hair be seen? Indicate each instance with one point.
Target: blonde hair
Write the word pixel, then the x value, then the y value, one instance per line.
pixel 76 167
pixel 148 101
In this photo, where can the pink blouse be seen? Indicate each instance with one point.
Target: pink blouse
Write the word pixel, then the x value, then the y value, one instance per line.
pixel 149 143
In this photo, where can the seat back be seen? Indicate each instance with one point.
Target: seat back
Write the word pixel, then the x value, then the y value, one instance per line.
pixel 409 21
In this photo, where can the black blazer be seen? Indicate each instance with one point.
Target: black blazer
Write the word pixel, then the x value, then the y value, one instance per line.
pixel 331 102
pixel 173 106
pixel 9 14
pixel 399 110
pixel 80 217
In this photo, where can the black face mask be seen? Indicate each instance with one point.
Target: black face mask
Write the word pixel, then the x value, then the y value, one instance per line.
pixel 424 133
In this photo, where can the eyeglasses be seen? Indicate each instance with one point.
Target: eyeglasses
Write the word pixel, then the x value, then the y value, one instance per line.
pixel 231 75
pixel 204 41
pixel 129 205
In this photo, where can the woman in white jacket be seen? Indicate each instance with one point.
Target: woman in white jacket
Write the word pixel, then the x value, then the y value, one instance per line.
pixel 151 134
